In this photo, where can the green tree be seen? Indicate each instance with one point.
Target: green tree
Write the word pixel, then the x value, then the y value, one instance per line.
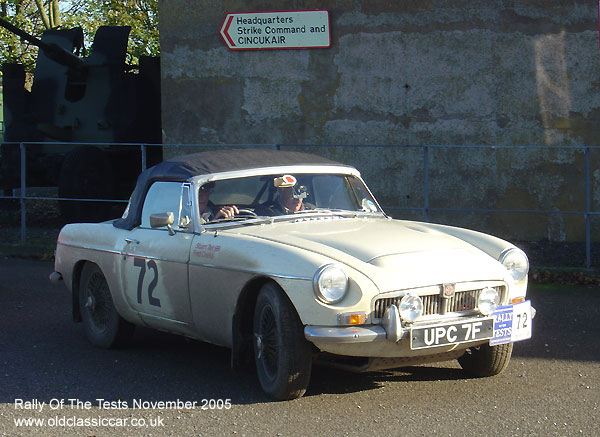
pixel 25 15
pixel 140 15
pixel 35 16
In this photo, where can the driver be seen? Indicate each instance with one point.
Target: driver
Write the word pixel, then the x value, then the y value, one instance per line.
pixel 205 207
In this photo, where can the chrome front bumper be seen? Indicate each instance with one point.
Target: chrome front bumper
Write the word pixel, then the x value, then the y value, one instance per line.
pixel 345 334
pixel 390 329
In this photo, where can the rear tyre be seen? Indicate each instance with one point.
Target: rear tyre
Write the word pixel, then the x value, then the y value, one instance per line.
pixel 282 355
pixel 486 360
pixel 103 326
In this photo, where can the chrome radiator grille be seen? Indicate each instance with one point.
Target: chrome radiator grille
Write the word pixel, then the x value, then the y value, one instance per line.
pixel 435 304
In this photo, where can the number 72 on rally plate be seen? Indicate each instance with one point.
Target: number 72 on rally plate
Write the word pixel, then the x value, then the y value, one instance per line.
pixel 512 323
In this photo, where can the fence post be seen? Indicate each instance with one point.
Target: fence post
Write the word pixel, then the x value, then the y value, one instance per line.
pixel 23 192
pixel 144 158
pixel 588 209
pixel 425 183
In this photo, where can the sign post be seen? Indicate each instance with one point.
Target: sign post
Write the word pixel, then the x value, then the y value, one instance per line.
pixel 276 30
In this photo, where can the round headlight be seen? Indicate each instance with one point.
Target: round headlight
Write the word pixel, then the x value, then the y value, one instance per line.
pixel 489 298
pixel 411 308
pixel 516 263
pixel 330 284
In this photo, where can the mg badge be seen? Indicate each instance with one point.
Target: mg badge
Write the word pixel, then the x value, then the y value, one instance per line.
pixel 448 291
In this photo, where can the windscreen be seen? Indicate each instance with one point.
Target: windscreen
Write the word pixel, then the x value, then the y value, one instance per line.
pixel 288 193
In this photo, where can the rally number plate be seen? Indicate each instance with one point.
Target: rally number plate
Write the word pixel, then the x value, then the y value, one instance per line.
pixel 451 333
pixel 512 323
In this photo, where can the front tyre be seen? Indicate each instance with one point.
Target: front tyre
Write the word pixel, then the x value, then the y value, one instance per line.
pixel 103 325
pixel 486 360
pixel 283 356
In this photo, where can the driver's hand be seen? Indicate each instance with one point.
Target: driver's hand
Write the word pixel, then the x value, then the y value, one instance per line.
pixel 226 212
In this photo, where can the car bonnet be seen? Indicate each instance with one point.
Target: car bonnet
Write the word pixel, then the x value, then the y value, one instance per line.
pixel 383 248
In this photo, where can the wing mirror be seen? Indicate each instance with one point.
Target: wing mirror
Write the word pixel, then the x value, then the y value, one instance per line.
pixel 368 205
pixel 161 219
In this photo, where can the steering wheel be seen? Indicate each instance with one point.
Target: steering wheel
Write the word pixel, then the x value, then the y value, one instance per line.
pixel 246 212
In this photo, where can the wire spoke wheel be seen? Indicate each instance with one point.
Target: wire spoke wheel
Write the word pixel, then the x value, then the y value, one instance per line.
pixel 282 355
pixel 103 325
pixel 267 342
pixel 98 302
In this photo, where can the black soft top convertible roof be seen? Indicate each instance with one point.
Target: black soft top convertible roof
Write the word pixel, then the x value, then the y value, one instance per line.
pixel 182 168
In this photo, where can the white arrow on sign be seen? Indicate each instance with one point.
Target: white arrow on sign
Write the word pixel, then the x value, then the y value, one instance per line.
pixel 276 30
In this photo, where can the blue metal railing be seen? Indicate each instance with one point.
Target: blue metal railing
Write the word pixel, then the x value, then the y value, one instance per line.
pixel 425 209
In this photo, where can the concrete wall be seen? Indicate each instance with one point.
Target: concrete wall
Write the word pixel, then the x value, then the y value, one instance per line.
pixel 413 73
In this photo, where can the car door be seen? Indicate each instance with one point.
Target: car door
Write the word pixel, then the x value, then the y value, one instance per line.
pixel 154 261
pixel 217 275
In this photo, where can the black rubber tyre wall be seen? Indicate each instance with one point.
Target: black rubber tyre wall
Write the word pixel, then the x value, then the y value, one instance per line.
pixel 115 331
pixel 294 352
pixel 486 360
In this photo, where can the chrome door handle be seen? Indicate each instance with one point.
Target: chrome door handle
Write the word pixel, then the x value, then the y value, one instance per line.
pixel 131 240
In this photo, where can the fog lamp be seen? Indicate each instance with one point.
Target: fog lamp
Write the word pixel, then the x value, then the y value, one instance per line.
pixel 488 301
pixel 411 308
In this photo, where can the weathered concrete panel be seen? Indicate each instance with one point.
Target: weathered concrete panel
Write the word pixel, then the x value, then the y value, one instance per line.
pixel 409 73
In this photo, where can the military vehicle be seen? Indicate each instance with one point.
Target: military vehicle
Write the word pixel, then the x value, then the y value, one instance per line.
pixel 84 108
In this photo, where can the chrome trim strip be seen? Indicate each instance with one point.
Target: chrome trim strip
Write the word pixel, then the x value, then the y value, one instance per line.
pixel 273 275
pixel 190 263
pixel 97 249
pixel 166 319
pixel 282 169
pixel 254 272
pixel 137 255
pixel 121 253
pixel 345 334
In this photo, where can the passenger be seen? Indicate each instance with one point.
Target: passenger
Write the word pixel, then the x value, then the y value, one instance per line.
pixel 206 207
pixel 290 199
pixel 288 202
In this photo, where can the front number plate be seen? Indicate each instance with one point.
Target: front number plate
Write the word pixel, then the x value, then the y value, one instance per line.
pixel 451 333
pixel 512 323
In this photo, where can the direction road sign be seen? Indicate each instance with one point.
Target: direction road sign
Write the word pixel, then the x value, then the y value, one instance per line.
pixel 276 30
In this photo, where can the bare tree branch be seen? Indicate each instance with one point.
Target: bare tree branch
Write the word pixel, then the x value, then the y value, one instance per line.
pixel 55 13
pixel 45 19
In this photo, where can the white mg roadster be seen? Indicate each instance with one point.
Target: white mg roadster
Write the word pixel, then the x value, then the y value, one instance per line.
pixel 287 259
